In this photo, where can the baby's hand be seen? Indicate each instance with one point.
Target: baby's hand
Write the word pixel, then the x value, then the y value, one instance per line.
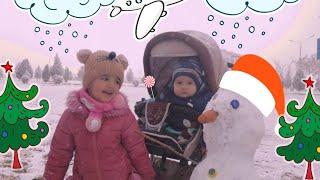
pixel 208 116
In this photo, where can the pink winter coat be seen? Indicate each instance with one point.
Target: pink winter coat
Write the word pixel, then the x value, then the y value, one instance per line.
pixel 113 153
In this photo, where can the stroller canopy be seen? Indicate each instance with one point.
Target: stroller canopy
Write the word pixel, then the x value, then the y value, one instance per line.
pixel 169 46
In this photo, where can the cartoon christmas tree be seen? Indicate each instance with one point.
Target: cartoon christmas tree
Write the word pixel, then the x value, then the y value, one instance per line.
pixel 15 131
pixel 305 132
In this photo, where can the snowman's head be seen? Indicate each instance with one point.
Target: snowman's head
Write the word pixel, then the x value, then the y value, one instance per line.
pixel 239 122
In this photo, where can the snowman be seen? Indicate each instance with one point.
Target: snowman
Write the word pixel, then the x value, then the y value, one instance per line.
pixel 233 120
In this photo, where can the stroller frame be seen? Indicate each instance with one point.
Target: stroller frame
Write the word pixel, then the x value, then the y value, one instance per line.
pixel 172 45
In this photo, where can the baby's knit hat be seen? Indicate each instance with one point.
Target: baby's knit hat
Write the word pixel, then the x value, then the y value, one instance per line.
pixel 189 67
pixel 99 63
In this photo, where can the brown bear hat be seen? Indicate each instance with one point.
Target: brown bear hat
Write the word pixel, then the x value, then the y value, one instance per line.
pixel 99 63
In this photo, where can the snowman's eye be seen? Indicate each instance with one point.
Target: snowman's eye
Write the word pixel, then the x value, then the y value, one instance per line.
pixel 235 104
pixel 128 3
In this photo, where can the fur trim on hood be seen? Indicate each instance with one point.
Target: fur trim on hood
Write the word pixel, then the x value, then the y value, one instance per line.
pixel 75 104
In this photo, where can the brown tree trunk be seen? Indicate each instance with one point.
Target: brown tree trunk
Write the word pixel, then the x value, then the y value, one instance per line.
pixel 309 171
pixel 16 163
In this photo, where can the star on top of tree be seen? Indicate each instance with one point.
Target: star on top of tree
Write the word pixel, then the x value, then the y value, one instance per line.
pixel 308 82
pixel 7 67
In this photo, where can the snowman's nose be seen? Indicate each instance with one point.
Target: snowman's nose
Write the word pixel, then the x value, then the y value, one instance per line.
pixel 208 116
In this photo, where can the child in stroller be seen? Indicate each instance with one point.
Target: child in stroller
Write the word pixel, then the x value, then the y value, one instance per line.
pixel 169 121
pixel 186 88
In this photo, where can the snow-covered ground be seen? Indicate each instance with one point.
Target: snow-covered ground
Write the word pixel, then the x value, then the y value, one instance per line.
pixel 267 163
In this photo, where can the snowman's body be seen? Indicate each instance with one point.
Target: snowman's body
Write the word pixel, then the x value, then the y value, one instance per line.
pixel 231 140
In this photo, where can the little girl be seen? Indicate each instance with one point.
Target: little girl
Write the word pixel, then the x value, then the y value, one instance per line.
pixel 99 128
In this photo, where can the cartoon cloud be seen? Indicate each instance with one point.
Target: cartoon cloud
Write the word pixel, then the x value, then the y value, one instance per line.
pixel 236 7
pixel 150 12
pixel 57 11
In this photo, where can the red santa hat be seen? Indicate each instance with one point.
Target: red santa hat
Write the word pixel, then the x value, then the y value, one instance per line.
pixel 256 80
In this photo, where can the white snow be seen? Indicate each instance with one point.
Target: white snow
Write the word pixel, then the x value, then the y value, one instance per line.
pixel 267 164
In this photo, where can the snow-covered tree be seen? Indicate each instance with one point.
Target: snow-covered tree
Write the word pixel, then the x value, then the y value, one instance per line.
pixel 1 74
pixel 80 73
pixel 16 72
pixel 279 67
pixel 309 65
pixel 317 83
pixel 56 68
pixel 71 75
pixel 67 75
pixel 297 83
pixel 129 75
pixel 57 79
pixel 26 77
pixel 22 67
pixel 46 73
pixel 287 80
pixel 38 73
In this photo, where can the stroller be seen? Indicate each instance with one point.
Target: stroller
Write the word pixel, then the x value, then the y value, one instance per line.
pixel 161 57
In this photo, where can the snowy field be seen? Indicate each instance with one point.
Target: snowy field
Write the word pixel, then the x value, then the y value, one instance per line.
pixel 33 159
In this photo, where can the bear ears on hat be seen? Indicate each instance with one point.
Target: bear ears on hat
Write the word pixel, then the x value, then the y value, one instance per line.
pixel 123 60
pixel 84 54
